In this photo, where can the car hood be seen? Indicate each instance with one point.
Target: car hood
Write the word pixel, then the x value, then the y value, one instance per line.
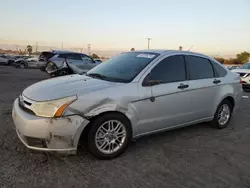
pixel 65 86
pixel 241 70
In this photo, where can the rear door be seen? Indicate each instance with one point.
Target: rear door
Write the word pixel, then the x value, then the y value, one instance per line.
pixel 203 87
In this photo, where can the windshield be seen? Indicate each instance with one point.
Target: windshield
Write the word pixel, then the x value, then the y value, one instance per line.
pixel 245 66
pixel 124 67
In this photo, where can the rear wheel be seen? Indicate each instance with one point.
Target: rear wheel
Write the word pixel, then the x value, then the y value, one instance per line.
pixel 109 136
pixel 22 66
pixel 222 115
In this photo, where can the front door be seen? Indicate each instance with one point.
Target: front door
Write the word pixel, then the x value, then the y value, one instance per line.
pixel 166 101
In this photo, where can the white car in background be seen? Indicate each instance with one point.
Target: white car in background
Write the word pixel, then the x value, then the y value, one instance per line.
pixel 6 59
pixel 29 62
pixel 244 72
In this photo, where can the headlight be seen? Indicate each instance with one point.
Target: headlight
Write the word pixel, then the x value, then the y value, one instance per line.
pixel 54 108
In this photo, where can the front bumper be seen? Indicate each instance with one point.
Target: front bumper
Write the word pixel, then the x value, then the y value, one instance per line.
pixel 48 134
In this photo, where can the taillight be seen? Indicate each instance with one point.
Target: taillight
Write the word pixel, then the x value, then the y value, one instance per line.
pixel 240 81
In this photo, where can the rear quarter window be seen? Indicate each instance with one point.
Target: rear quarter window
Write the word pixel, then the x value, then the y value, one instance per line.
pixel 218 70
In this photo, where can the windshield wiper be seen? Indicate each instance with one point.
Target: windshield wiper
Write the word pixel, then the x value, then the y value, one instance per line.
pixel 102 77
pixel 96 75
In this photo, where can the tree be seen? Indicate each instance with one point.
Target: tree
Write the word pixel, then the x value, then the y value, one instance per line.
pixel 132 49
pixel 221 60
pixel 29 49
pixel 95 56
pixel 243 57
pixel 180 48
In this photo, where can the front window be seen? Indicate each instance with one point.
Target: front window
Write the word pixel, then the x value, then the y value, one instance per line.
pixel 171 69
pixel 122 68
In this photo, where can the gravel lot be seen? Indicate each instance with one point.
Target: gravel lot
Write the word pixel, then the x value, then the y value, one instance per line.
pixel 196 156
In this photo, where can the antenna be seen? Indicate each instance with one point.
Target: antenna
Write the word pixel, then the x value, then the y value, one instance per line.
pixel 149 39
pixel 89 47
pixel 190 48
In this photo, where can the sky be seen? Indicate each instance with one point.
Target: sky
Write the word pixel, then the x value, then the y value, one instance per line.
pixel 214 26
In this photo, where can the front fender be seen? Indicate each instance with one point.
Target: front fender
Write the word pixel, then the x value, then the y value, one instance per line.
pixel 128 110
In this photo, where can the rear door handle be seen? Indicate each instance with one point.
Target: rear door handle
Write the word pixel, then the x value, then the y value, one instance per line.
pixel 183 86
pixel 216 81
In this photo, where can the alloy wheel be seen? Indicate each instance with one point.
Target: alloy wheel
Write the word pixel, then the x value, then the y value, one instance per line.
pixel 224 114
pixel 110 136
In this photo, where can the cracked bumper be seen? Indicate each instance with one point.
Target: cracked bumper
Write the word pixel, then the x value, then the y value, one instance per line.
pixel 48 134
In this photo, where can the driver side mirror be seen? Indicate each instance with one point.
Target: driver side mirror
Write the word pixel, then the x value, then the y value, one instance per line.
pixel 148 81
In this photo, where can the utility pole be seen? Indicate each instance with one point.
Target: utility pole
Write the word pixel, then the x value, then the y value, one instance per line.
pixel 89 48
pixel 149 39
pixel 62 44
pixel 36 46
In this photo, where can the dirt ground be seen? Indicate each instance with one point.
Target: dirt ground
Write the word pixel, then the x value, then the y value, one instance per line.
pixel 196 156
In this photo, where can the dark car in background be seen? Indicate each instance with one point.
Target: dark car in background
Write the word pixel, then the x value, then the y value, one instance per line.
pixel 58 63
pixel 46 55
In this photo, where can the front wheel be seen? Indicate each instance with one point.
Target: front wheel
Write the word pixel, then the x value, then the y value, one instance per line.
pixel 109 136
pixel 222 115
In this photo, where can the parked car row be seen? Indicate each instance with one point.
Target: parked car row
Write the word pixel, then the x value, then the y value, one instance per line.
pixel 232 67
pixel 130 95
pixel 54 62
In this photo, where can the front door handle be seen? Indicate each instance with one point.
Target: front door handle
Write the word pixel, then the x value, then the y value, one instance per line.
pixel 183 86
pixel 216 81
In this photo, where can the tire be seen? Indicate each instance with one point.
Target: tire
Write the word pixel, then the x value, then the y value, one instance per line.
pixel 96 125
pixel 63 72
pixel 216 121
pixel 22 66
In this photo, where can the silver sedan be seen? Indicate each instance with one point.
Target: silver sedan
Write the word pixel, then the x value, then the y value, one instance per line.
pixel 130 95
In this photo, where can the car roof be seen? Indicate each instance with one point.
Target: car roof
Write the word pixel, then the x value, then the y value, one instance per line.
pixel 166 52
pixel 62 52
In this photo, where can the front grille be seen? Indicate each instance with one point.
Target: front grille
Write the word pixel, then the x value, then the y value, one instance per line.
pixel 22 104
pixel 27 103
pixel 26 109
pixel 36 142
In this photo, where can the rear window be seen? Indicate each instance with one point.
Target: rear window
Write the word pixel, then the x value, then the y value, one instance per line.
pixel 70 56
pixel 46 55
pixel 245 66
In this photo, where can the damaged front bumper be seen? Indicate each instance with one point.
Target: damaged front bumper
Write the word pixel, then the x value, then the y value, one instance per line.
pixel 48 134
